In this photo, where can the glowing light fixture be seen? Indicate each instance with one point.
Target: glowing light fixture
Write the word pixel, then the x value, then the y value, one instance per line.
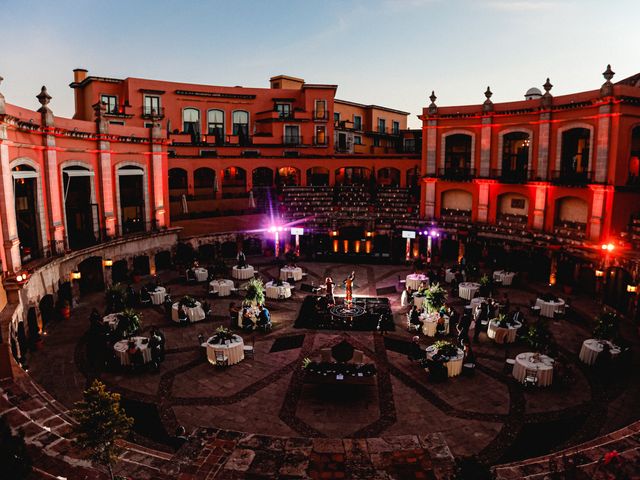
pixel 632 288
pixel 108 262
pixel 609 247
pixel 76 275
pixel 599 273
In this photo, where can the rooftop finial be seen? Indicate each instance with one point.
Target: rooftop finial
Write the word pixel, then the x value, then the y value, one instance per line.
pixel 606 90
pixel 433 108
pixel 547 87
pixel 488 104
pixel 608 73
pixel 547 98
pixel 43 97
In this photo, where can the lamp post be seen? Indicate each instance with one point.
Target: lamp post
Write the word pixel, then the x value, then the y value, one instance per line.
pixel 408 234
pixel 297 232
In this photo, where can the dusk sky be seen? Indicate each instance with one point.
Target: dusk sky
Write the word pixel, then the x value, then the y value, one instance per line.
pixel 387 52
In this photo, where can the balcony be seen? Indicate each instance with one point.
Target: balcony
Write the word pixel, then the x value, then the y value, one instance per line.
pixel 512 176
pixel 149 113
pixel 457 174
pixel 571 178
pixel 292 140
pixel 117 111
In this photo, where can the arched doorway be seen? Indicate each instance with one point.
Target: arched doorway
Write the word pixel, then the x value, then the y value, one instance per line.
pixel 163 260
pixel 119 272
pixel 204 181
pixel 457 156
pixel 512 210
pixel 515 156
pixel 352 176
pixel 575 154
pixel 389 177
pixel 47 310
pixel 616 280
pixel 287 176
pixel 141 265
pixel 131 195
pixel 91 276
pixel 571 217
pixel 234 182
pixel 81 210
pixel 262 177
pixel 318 177
pixel 27 205
pixel 456 203
pixel 178 183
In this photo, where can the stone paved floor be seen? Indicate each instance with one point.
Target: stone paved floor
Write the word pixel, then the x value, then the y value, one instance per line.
pixel 481 415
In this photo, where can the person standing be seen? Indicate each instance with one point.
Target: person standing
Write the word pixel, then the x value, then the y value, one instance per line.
pixel 242 259
pixel 348 284
pixel 329 291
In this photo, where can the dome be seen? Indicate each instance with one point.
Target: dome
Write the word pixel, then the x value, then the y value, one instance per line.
pixel 532 93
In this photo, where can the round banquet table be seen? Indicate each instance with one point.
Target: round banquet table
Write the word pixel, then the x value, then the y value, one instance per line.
pixel 201 274
pixel 548 309
pixel 476 301
pixel 243 273
pixel 454 365
pixel 221 287
pixel 504 276
pixel 121 349
pixel 430 322
pixel 449 275
pixel 194 314
pixel 111 320
pixel 234 350
pixel 415 279
pixel 287 273
pixel 503 334
pixel 467 290
pixel 526 361
pixel 158 295
pixel 592 347
pixel 418 300
pixel 275 291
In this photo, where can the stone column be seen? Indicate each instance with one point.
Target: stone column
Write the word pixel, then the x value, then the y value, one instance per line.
pixel 483 201
pixel 544 132
pixel 56 227
pixel 602 144
pixel 597 213
pixel 157 175
pixel 429 187
pixel 104 166
pixel 485 148
pixel 11 243
pixel 431 167
pixel 539 207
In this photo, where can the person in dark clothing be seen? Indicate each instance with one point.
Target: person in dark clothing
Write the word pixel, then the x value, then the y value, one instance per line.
pixel 453 320
pixel 264 317
pixel 414 318
pixel 415 352
pixel 463 328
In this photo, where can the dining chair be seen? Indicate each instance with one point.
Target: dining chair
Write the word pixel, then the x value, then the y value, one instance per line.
pixel 530 378
pixel 222 359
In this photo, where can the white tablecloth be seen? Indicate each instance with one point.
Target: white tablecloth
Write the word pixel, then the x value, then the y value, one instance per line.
pixel 242 273
pixel 592 347
pixel 194 314
pixel 504 276
pixel 221 287
pixel 467 290
pixel 418 300
pixel 122 350
pixel 547 309
pixel 430 322
pixel 454 365
pixel 543 368
pixel 158 295
pixel 275 292
pixel 503 335
pixel 415 279
pixel 449 275
pixel 476 301
pixel 233 350
pixel 287 273
pixel 201 274
pixel 111 320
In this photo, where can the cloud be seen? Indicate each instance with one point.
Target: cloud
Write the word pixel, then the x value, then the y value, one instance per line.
pixel 524 5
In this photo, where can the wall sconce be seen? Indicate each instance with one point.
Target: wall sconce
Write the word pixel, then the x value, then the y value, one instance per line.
pixel 76 275
pixel 632 288
pixel 22 277
pixel 334 233
pixel 368 234
pixel 599 273
pixel 108 262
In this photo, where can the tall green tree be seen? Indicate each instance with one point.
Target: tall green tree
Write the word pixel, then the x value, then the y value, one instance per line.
pixel 101 422
pixel 15 462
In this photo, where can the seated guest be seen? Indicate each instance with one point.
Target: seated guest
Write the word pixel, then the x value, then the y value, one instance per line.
pixel 517 316
pixel 469 356
pixel 247 320
pixel 453 320
pixel 406 298
pixel 506 304
pixel 415 352
pixel 414 318
pixel 279 282
pixel 264 317
pixel 440 325
pixel 145 297
pixel 183 318
pixel 206 308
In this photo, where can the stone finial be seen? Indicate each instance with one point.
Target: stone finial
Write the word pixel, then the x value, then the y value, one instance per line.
pixel 433 108
pixel 43 97
pixel 606 90
pixel 488 104
pixel 2 104
pixel 547 97
pixel 99 110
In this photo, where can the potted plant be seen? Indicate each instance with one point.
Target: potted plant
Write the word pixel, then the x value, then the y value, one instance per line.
pixel 435 297
pixel 538 337
pixel 485 286
pixel 255 292
pixel 129 323
pixel 606 327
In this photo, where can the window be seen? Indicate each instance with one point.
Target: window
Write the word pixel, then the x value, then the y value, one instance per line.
pixel 321 135
pixel 336 117
pixel 284 110
pixel 148 125
pixel 395 127
pixel 241 123
pixel 321 110
pixel 515 155
pixel 116 122
pixel 291 134
pixel 634 158
pixel 357 122
pixel 376 141
pixel 575 152
pixel 457 156
pixel 191 121
pixel 151 105
pixel 357 140
pixel 382 125
pixel 111 101
pixel 215 124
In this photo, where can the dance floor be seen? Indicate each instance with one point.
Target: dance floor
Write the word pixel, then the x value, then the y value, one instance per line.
pixel 364 315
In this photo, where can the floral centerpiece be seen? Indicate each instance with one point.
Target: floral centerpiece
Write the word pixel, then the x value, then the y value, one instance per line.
pixel 188 301
pixel 221 336
pixel 435 297
pixel 538 337
pixel 255 292
pixel 129 322
pixel 548 297
pixel 606 326
pixel 446 349
pixel 486 285
pixel 502 321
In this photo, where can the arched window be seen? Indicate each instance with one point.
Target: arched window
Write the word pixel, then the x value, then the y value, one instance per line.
pixel 634 158
pixel 241 125
pixel 515 156
pixel 191 121
pixel 457 158
pixel 215 125
pixel 574 162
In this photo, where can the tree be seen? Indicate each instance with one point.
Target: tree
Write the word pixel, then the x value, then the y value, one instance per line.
pixel 14 457
pixel 101 422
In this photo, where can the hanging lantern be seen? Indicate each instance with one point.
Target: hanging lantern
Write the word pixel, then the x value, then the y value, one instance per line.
pixel 108 262
pixel 76 275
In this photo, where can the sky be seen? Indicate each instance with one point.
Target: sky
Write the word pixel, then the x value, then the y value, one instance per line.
pixel 385 52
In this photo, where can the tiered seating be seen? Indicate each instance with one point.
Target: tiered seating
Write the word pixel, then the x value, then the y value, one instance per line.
pixel 395 208
pixel 351 203
pixel 572 230
pixel 315 203
pixel 511 221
